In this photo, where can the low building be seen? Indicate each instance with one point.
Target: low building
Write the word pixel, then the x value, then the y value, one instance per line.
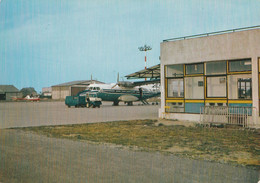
pixel 8 92
pixel 60 91
pixel 218 69
pixel 46 92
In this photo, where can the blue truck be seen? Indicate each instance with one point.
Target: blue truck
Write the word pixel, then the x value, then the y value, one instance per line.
pixel 81 100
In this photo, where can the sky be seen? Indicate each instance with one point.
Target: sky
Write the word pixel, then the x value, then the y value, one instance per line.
pixel 48 42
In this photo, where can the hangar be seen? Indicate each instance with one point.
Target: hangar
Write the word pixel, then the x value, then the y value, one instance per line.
pixel 212 69
pixel 60 91
pixel 7 92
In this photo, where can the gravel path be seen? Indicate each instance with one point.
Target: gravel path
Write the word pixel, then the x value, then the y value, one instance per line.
pixel 27 157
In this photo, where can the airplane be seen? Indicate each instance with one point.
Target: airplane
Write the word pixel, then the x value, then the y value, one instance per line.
pixel 31 98
pixel 27 98
pixel 125 91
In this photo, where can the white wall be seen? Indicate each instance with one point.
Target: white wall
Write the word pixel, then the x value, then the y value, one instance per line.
pixel 60 92
pixel 229 46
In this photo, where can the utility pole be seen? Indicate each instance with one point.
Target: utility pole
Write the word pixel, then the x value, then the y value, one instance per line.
pixel 145 48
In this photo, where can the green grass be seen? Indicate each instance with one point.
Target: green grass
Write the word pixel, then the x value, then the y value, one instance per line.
pixel 235 145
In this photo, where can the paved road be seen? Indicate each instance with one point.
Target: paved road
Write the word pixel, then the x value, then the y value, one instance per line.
pixel 27 157
pixel 21 114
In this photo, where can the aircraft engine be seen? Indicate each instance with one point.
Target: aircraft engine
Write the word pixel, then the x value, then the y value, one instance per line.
pixel 126 84
pixel 128 98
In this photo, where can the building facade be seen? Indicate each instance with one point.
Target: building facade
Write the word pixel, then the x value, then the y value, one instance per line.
pixel 210 70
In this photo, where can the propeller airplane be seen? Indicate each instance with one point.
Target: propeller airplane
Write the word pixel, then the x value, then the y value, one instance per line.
pixel 124 91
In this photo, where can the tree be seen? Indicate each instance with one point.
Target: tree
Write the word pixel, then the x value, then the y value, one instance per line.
pixel 28 91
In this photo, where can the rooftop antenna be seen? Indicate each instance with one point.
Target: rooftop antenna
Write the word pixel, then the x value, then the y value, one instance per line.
pixel 145 48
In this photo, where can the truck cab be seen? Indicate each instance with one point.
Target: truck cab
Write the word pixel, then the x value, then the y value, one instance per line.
pixel 87 100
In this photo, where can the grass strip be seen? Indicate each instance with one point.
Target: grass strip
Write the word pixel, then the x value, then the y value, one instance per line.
pixel 227 145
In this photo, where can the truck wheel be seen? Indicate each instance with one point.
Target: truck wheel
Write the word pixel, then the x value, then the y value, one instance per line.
pixel 68 106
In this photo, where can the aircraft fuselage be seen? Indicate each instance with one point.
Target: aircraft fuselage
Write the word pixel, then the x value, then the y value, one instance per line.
pixel 115 94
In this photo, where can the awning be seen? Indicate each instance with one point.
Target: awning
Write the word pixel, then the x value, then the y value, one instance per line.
pixel 151 72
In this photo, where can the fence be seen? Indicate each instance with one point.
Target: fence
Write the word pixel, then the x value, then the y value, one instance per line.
pixel 244 116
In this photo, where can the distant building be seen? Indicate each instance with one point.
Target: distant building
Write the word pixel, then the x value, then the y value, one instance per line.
pixel 46 92
pixel 60 91
pixel 7 92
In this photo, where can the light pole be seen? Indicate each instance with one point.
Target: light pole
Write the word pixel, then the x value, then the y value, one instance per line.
pixel 145 48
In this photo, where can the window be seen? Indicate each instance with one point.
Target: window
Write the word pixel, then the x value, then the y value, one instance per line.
pixel 216 68
pixel 174 70
pixel 244 88
pixel 194 88
pixel 194 69
pixel 239 65
pixel 240 86
pixel 175 88
pixel 216 86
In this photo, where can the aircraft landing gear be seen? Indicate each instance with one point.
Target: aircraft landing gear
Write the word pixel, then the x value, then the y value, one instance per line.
pixel 129 103
pixel 115 103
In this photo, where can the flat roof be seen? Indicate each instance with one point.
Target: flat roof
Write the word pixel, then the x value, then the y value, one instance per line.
pixel 212 33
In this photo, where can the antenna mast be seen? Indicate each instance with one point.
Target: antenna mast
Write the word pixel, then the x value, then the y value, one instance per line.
pixel 145 48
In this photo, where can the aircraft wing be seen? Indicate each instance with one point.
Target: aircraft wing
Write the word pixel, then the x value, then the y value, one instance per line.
pixel 128 84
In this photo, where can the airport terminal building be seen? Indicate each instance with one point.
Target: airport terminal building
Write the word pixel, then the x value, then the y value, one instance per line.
pixel 214 69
